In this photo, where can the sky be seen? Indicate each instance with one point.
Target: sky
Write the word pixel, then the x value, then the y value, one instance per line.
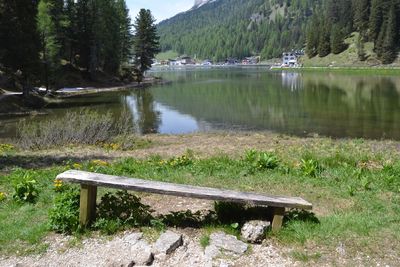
pixel 161 9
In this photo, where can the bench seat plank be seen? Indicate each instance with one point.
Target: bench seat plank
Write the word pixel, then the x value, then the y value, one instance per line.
pixel 133 184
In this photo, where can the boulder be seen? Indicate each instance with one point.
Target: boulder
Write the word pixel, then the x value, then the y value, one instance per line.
pixel 133 238
pixel 228 243
pixel 254 231
pixel 168 242
pixel 142 253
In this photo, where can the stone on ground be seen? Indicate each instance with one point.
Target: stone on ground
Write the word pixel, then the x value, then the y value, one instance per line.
pixel 142 253
pixel 228 243
pixel 168 242
pixel 254 231
pixel 133 238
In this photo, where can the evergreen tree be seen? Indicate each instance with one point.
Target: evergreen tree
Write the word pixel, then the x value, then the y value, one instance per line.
pixel 361 48
pixel 324 43
pixel 389 49
pixel 50 48
pixel 376 19
pixel 312 38
pixel 19 43
pixel 361 9
pixel 146 41
pixel 337 40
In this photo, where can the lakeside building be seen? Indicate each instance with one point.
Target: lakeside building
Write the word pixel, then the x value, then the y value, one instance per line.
pixel 181 61
pixel 289 59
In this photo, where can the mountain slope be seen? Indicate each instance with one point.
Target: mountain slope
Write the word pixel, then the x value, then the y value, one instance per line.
pixel 235 28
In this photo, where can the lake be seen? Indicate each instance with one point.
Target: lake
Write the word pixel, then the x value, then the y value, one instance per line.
pixel 251 99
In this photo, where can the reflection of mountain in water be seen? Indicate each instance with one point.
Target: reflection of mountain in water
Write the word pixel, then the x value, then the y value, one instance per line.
pixel 332 105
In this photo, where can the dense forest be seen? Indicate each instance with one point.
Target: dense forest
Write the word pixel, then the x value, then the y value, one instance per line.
pixel 377 21
pixel 42 40
pixel 235 28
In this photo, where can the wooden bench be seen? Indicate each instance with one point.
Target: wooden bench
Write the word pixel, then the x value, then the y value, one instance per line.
pixel 90 181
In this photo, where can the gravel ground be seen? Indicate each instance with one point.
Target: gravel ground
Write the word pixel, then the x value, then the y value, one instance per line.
pixel 116 252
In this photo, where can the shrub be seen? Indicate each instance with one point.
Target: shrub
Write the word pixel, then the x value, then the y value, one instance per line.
pixel 82 127
pixel 124 207
pixel 310 167
pixel 64 215
pixel 259 161
pixel 108 226
pixel 2 196
pixel 229 212
pixel 26 190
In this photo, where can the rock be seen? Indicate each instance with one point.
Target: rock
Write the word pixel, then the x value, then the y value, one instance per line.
pixel 168 242
pixel 142 253
pixel 228 243
pixel 133 238
pixel 211 252
pixel 224 264
pixel 254 231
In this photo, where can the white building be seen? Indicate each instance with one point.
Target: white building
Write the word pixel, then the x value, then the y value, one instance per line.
pixel 289 59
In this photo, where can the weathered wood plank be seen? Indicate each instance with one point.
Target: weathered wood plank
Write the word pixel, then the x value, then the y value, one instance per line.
pixel 277 218
pixel 125 183
pixel 87 211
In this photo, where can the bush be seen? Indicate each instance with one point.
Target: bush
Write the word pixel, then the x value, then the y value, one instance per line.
pixel 3 196
pixel 310 167
pixel 124 207
pixel 82 127
pixel 64 216
pixel 259 161
pixel 229 212
pixel 26 190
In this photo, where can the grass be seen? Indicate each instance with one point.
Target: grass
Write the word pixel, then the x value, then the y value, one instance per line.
pixel 349 70
pixel 356 195
pixel 167 55
pixel 348 61
pixel 205 240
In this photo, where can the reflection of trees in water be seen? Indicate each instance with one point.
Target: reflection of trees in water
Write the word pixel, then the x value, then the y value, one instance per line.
pixel 148 117
pixel 333 105
pixel 365 109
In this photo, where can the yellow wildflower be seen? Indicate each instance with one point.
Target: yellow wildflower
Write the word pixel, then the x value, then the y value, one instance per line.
pixel 77 166
pixel 2 196
pixel 99 162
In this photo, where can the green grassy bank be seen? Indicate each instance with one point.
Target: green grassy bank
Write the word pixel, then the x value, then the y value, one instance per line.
pixel 353 184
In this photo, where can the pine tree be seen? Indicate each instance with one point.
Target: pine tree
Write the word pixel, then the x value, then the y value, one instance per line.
pixel 361 48
pixel 146 41
pixel 375 19
pixel 388 49
pixel 50 48
pixel 19 43
pixel 324 42
pixel 313 35
pixel 361 15
pixel 337 40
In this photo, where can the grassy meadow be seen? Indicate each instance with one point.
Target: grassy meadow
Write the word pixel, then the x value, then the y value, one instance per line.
pixel 353 184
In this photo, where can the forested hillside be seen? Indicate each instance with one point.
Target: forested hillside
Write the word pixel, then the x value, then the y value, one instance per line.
pixel 377 21
pixel 236 28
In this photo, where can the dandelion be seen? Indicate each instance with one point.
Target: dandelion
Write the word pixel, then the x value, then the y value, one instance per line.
pixel 77 166
pixel 6 148
pixel 58 185
pixel 2 196
pixel 99 162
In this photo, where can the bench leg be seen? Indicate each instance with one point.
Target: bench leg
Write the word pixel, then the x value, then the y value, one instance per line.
pixel 277 218
pixel 87 212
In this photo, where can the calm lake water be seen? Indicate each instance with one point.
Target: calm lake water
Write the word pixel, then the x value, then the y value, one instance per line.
pixel 328 104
